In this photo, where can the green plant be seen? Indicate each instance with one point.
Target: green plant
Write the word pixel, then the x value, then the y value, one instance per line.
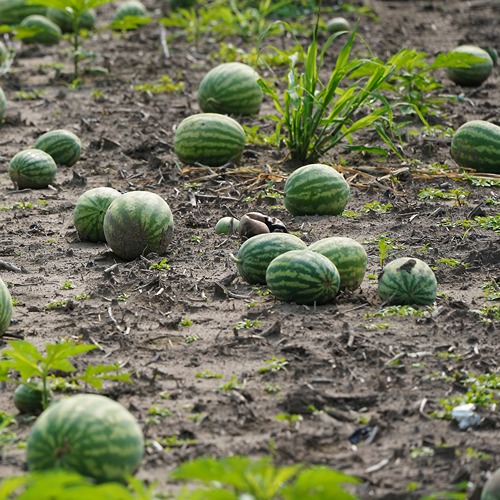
pixel 376 206
pixel 385 244
pixel 156 414
pixel 240 477
pixel 67 285
pixel 272 388
pixel 246 324
pixel 7 435
pixel 274 365
pixel 232 383
pixel 35 368
pixel 56 304
pixel 185 322
pixel 491 290
pixel 165 86
pixel 319 116
pixel 451 262
pixel 208 374
pixel 402 311
pixel 292 419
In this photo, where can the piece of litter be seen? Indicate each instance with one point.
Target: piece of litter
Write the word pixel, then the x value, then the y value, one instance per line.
pixel 465 416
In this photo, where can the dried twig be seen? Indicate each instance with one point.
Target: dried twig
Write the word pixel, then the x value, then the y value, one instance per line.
pixel 11 267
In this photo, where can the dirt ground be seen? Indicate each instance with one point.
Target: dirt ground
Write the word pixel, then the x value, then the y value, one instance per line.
pixel 347 371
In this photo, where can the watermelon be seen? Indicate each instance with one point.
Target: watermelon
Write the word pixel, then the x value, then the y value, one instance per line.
pixel 493 53
pixel 29 399
pixel 491 489
pixel 14 11
pixel 211 139
pixel 225 225
pixel 64 19
pixel 476 144
pixel 5 307
pixel 337 24
pixel 45 31
pixel 230 88
pixel 3 104
pixel 89 434
pixel 304 277
pixel 349 257
pixel 130 8
pixel 64 146
pixel 90 208
pixel 138 223
pixel 316 189
pixel 407 281
pixel 257 252
pixel 32 168
pixel 476 73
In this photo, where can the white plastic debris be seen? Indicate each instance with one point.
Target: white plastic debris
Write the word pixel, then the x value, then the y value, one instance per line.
pixel 466 416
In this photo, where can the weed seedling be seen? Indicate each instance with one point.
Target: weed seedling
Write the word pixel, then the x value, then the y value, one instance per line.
pixel 208 374
pixel 274 365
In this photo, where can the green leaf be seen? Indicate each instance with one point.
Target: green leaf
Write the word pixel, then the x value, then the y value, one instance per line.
pixel 94 375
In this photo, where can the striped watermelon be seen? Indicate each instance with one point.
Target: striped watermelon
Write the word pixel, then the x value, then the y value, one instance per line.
pixel 90 208
pixel 304 277
pixel 316 189
pixel 64 19
pixel 336 24
pixel 476 144
pixel 491 489
pixel 230 88
pixel 130 8
pixel 3 104
pixel 257 252
pixel 14 11
pixel 89 434
pixel 5 307
pixel 29 399
pixel 407 281
pixel 45 31
pixel 476 73
pixel 210 139
pixel 138 223
pixel 32 168
pixel 64 146
pixel 349 257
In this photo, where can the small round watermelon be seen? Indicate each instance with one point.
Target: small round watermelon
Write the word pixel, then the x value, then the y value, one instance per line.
pixel 3 104
pixel 64 146
pixel 29 399
pixel 304 277
pixel 44 30
pixel 476 73
pixel 89 434
pixel 32 168
pixel 349 257
pixel 407 281
pixel 230 88
pixel 138 223
pixel 210 139
pixel 336 24
pixel 226 224
pixel 130 8
pixel 64 19
pixel 5 307
pixel 90 208
pixel 257 252
pixel 316 189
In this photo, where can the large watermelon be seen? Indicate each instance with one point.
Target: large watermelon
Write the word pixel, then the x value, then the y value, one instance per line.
pixel 3 104
pixel 257 252
pixel 304 277
pixel 349 257
pixel 316 189
pixel 89 434
pixel 209 139
pixel 44 30
pixel 32 168
pixel 230 88
pixel 89 212
pixel 5 307
pixel 65 19
pixel 407 281
pixel 138 223
pixel 14 11
pixel 64 146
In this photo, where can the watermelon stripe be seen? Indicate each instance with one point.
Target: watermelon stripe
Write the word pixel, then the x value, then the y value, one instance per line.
pixel 14 11
pixel 477 73
pixel 64 146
